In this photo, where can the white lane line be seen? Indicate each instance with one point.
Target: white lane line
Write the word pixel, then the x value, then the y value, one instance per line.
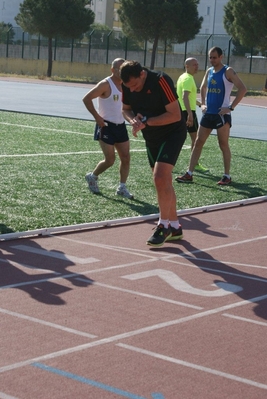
pixel 129 334
pixel 24 265
pixel 226 262
pixel 43 280
pixel 55 254
pixel 45 128
pixel 46 323
pixel 259 323
pixel 183 363
pixel 142 294
pixel 55 154
pixel 4 396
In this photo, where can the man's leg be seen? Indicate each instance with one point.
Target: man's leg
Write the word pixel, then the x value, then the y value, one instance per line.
pixel 123 150
pixel 165 192
pixel 202 135
pixel 223 134
pixel 109 158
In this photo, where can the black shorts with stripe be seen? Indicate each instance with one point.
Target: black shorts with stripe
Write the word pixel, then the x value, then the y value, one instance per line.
pixel 112 133
pixel 215 121
pixel 166 148
pixel 191 129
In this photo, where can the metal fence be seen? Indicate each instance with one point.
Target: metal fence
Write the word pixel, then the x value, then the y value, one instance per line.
pixel 102 47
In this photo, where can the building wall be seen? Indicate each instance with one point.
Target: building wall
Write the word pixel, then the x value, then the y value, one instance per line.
pixel 213 12
pixel 96 72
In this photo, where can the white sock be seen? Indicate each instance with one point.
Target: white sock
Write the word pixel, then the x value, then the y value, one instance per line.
pixel 228 176
pixel 175 223
pixel 94 176
pixel 122 185
pixel 164 222
pixel 190 173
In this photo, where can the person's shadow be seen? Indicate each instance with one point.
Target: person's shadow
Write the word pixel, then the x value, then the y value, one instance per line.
pixel 26 266
pixel 253 287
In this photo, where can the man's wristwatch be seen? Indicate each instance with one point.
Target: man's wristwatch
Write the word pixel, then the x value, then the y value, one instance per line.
pixel 231 108
pixel 144 120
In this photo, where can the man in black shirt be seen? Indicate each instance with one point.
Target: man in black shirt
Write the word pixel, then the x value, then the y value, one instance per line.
pixel 150 105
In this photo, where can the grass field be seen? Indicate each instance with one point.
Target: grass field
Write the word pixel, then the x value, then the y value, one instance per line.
pixel 44 160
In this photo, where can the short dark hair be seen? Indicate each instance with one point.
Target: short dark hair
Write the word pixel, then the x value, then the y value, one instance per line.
pixel 130 69
pixel 218 50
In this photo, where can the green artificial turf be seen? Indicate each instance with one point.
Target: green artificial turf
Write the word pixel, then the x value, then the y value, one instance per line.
pixel 43 162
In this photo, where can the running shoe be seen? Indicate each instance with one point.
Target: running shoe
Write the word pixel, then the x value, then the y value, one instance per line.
pixel 92 183
pixel 186 178
pixel 160 236
pixel 124 192
pixel 201 168
pixel 224 181
pixel 176 234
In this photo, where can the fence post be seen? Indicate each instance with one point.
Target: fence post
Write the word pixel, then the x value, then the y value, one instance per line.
pixel 7 41
pixel 207 50
pixel 89 45
pixel 108 45
pixel 22 47
pixel 39 43
pixel 72 45
pixel 229 50
pixel 185 51
pixel 126 48
pixel 165 51
pixel 145 52
pixel 55 49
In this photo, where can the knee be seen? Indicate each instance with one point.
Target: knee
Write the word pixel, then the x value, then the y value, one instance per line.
pixel 109 161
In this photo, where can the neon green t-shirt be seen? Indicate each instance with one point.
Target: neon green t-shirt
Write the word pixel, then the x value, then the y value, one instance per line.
pixel 186 82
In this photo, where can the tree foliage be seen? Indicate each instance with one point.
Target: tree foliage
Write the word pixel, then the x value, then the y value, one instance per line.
pixel 155 20
pixel 6 32
pixel 52 18
pixel 246 21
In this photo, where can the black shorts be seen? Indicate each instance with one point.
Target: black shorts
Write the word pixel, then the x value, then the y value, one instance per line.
pixel 191 129
pixel 215 121
pixel 112 133
pixel 167 149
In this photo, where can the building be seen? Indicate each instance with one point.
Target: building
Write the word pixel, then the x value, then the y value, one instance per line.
pixel 212 12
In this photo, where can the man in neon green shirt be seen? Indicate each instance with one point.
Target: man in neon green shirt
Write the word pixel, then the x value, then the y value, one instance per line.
pixel 187 94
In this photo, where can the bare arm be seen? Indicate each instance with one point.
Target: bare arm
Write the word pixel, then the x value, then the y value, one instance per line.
pixel 203 91
pixel 189 121
pixel 241 88
pixel 100 90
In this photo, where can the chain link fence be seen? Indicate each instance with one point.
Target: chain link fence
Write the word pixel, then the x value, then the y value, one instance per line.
pixel 101 47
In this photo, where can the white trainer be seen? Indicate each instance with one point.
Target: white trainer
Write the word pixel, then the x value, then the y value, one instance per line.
pixel 92 183
pixel 124 192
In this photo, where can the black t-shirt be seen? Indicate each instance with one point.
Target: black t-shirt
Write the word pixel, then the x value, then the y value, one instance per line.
pixel 158 91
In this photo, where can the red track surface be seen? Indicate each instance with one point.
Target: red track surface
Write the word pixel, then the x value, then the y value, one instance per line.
pixel 98 314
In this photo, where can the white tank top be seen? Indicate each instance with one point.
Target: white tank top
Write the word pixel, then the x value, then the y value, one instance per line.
pixel 110 108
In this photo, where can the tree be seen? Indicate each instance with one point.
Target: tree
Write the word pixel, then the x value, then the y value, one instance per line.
pixel 155 20
pixel 52 18
pixel 246 21
pixel 6 32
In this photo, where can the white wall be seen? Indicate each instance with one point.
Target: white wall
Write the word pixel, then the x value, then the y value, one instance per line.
pixel 212 11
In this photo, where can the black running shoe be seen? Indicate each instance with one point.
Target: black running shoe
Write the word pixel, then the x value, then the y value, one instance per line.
pixel 160 236
pixel 224 181
pixel 177 234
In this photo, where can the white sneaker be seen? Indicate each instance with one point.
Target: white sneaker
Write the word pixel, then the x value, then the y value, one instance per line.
pixel 124 192
pixel 92 183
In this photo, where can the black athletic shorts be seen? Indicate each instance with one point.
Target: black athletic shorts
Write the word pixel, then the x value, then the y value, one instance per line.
pixel 215 121
pixel 191 129
pixel 167 149
pixel 112 133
